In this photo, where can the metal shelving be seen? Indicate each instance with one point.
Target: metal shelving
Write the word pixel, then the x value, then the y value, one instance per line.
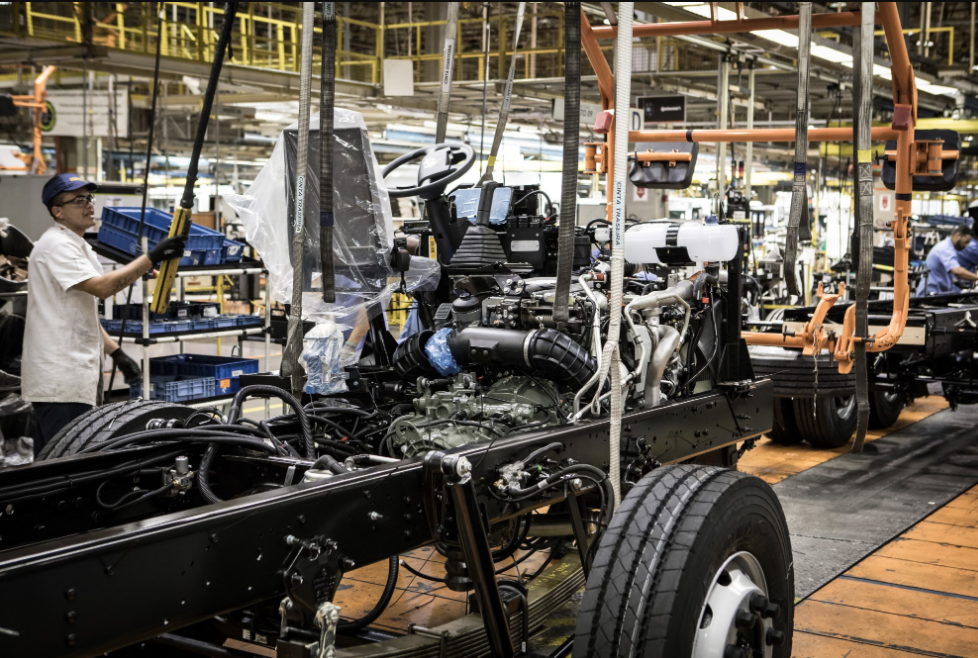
pixel 144 339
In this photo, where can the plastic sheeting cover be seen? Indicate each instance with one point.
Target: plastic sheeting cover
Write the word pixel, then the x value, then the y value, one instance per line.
pixel 363 235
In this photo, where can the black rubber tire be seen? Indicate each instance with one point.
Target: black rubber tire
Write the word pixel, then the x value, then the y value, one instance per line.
pixel 102 423
pixel 827 423
pixel 794 375
pixel 666 542
pixel 784 430
pixel 884 410
pixel 725 457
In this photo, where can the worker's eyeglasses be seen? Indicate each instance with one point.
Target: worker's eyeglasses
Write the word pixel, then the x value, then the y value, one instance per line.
pixel 79 201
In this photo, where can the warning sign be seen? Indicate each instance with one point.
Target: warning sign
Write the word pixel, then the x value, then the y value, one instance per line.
pixel 640 194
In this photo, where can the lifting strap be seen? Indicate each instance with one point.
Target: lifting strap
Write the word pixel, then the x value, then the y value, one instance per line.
pixel 797 229
pixel 327 98
pixel 497 139
pixel 862 104
pixel 568 187
pixel 293 345
pixel 181 218
pixel 448 65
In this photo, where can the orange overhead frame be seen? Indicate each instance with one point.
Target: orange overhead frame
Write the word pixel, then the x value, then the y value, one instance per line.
pixel 813 338
pixel 35 163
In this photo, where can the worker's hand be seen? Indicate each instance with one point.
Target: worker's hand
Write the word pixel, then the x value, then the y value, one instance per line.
pixel 166 249
pixel 127 366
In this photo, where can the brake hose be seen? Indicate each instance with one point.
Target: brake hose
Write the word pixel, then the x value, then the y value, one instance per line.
pixel 385 599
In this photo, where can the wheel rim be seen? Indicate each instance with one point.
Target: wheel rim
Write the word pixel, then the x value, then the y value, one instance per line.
pixel 845 406
pixel 735 619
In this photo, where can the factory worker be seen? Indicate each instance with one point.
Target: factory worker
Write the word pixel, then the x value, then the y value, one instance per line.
pixel 63 340
pixel 944 267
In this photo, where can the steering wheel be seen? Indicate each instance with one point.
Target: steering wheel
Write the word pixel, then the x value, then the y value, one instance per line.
pixel 441 165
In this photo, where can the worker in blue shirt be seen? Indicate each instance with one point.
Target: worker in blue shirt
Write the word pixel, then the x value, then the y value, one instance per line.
pixel 968 257
pixel 944 267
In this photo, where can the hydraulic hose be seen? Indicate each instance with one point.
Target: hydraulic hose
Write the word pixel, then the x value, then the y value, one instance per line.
pixel 568 186
pixel 327 99
pixel 263 390
pixel 385 599
pixel 325 462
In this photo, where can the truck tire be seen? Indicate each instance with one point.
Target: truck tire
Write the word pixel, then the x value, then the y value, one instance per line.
pixel 795 374
pixel 826 422
pixel 696 559
pixel 884 409
pixel 784 429
pixel 103 423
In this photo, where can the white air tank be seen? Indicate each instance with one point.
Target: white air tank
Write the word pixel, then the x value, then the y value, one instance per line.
pixel 679 243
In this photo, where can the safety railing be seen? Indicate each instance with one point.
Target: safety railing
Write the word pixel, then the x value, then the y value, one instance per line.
pixel 268 36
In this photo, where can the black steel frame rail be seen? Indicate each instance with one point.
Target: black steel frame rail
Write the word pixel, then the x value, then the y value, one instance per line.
pixel 91 593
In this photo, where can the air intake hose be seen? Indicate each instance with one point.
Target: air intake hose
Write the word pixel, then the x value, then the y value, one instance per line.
pixel 548 352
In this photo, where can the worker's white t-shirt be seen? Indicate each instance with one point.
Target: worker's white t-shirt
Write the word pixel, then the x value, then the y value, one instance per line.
pixel 62 337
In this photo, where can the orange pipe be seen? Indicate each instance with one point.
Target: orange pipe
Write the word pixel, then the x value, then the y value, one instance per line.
pixel 755 135
pixel 662 156
pixel 842 19
pixel 606 79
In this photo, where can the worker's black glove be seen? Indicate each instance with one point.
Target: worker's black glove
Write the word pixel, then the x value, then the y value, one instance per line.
pixel 127 366
pixel 166 249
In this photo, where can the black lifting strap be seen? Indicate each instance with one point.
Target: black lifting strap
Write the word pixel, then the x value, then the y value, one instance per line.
pixel 799 228
pixel 862 104
pixel 568 187
pixel 327 86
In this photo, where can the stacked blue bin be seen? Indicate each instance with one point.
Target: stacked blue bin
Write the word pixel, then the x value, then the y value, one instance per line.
pixel 225 371
pixel 120 229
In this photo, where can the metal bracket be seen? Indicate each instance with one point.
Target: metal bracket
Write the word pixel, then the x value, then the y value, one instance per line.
pixel 471 531
pixel 327 618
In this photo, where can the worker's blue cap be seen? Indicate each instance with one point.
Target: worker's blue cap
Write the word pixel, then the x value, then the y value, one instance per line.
pixel 64 183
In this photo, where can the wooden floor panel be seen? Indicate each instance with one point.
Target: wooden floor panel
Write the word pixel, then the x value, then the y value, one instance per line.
pixel 917 595
pixel 892 599
pixel 962 582
pixel 891 631
pixel 773 462
pixel 808 645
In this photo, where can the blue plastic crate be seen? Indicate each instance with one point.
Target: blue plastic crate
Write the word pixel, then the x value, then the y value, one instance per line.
pixel 233 251
pixel 136 327
pixel 202 323
pixel 181 390
pixel 224 370
pixel 176 326
pixel 120 229
pixel 224 322
pixel 249 320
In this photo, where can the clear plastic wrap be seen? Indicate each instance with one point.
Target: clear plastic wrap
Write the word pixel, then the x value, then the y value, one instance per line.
pixel 439 355
pixel 363 234
pixel 322 357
